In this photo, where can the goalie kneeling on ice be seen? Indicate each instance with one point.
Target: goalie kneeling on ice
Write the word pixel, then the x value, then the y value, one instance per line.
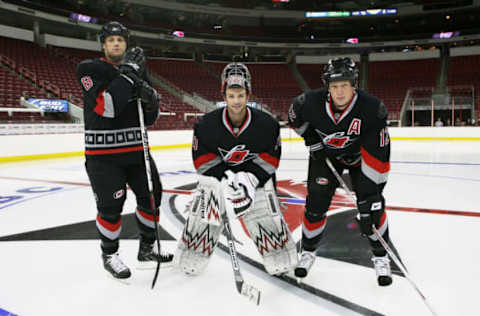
pixel 264 223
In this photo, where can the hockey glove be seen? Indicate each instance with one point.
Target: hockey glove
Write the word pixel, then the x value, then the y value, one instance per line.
pixel 133 65
pixel 150 97
pixel 240 191
pixel 135 59
pixel 371 210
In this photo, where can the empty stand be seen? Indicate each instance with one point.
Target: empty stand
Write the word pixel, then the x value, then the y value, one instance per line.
pixel 390 80
pixel 56 75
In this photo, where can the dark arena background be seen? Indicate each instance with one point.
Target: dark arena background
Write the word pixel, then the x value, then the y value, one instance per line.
pixel 421 58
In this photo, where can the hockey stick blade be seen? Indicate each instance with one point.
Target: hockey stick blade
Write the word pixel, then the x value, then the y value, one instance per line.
pixel 381 240
pixel 244 289
pixel 252 293
pixel 403 269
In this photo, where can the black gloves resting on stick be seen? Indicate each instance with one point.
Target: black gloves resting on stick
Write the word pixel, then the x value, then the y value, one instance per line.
pixel 133 66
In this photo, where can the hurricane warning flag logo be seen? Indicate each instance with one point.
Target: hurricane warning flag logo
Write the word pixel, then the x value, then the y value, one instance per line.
pixel 237 155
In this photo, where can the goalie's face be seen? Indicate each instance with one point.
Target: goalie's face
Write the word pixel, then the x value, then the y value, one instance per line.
pixel 114 48
pixel 342 93
pixel 236 99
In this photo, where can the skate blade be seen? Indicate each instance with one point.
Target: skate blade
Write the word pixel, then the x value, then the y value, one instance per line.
pixel 126 281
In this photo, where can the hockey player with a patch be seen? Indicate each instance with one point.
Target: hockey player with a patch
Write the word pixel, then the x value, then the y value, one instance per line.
pixel 348 126
pixel 113 145
pixel 236 152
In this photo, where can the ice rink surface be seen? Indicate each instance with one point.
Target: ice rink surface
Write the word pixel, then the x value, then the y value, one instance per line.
pixel 434 220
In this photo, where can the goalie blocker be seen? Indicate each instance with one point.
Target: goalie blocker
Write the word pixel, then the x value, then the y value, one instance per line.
pixel 263 221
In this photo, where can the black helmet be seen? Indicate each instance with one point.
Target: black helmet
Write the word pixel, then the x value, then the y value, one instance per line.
pixel 341 68
pixel 113 28
pixel 236 75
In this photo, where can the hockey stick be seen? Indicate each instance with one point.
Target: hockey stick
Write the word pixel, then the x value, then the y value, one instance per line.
pixel 380 238
pixel 247 290
pixel 148 170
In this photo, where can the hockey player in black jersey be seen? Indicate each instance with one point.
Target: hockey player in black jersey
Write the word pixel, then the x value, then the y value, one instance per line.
pixel 348 126
pixel 236 151
pixel 113 144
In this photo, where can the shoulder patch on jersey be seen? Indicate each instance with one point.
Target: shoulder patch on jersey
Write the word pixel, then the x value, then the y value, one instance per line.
pixel 382 111
pixel 87 82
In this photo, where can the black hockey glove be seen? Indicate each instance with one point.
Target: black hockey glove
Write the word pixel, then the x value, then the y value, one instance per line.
pixel 133 65
pixel 371 210
pixel 150 97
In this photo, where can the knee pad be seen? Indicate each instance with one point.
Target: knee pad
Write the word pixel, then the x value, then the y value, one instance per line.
pixel 269 232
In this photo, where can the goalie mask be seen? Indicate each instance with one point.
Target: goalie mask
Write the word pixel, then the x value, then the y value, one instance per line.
pixel 113 28
pixel 339 69
pixel 236 75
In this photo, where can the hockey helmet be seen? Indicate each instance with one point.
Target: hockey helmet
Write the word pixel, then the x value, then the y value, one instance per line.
pixel 339 69
pixel 236 75
pixel 113 28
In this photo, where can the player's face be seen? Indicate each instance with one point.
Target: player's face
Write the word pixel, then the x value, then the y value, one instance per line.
pixel 236 99
pixel 114 48
pixel 342 92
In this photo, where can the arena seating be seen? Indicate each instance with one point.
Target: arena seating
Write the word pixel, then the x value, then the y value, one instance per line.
pixel 32 71
pixel 463 71
pixel 189 76
pixel 312 74
pixel 390 80
pixel 54 74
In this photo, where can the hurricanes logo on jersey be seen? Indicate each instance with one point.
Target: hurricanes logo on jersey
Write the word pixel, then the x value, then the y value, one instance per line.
pixel 336 140
pixel 237 155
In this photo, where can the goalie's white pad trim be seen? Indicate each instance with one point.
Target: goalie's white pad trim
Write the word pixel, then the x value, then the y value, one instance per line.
pixel 202 228
pixel 270 233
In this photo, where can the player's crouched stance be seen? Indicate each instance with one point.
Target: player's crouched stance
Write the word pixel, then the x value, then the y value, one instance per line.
pixel 236 151
pixel 238 196
pixel 348 127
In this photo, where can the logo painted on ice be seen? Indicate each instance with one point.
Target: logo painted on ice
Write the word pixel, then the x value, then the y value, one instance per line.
pixel 9 200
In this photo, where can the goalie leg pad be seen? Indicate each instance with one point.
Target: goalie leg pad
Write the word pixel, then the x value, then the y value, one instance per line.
pixel 200 234
pixel 270 233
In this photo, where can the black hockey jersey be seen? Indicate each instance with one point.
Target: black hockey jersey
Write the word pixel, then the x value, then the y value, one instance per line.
pixel 112 128
pixel 357 136
pixel 254 147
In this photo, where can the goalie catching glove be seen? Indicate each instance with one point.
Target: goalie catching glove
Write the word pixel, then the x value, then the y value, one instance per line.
pixel 240 190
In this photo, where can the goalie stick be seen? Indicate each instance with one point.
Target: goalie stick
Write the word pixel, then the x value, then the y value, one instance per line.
pixel 380 238
pixel 247 290
pixel 149 182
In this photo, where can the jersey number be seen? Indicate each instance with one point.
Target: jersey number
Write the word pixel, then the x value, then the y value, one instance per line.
pixel 87 82
pixel 384 137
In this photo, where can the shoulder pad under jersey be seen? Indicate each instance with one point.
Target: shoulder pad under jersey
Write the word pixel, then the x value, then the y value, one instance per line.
pixel 300 99
pixel 382 111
